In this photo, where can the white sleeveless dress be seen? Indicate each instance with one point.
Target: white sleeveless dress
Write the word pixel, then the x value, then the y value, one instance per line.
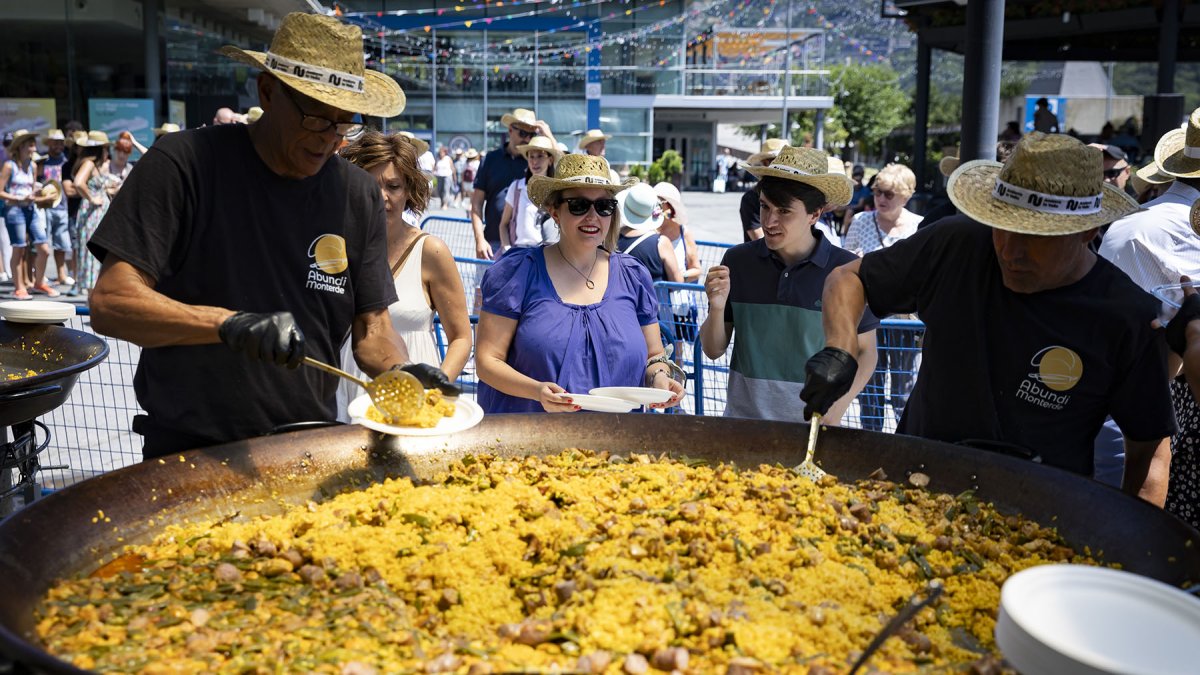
pixel 412 317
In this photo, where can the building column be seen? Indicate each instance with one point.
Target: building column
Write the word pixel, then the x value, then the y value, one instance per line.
pixel 819 133
pixel 921 110
pixel 151 11
pixel 981 79
pixel 1168 45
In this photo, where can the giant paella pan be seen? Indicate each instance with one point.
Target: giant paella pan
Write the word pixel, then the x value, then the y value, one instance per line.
pixel 572 543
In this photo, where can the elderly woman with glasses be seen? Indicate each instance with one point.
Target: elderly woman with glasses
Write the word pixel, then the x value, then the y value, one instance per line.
pixel 869 231
pixel 566 318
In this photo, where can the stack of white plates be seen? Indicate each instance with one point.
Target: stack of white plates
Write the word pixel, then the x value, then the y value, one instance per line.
pixel 36 311
pixel 1074 619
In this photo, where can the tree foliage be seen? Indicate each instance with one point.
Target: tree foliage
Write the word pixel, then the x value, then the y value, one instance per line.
pixel 868 102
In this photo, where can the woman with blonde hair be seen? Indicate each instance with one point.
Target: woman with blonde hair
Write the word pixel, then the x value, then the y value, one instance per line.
pixel 426 278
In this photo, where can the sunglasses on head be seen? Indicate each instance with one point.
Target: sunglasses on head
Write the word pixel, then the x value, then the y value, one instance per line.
pixel 1115 171
pixel 579 206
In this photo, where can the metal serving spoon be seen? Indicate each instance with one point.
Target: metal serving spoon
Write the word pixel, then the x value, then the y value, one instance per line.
pixel 397 395
pixel 807 468
pixel 933 590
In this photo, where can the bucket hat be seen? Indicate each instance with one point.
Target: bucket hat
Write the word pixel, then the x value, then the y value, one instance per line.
pixel 519 116
pixel 52 188
pixel 166 128
pixel 592 136
pixel 322 58
pixel 1178 151
pixel 670 194
pixel 95 139
pixel 1148 176
pixel 575 171
pixel 769 151
pixel 540 143
pixel 421 146
pixel 811 167
pixel 640 208
pixel 1052 184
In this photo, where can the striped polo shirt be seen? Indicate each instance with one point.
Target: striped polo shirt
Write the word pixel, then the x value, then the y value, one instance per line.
pixel 775 310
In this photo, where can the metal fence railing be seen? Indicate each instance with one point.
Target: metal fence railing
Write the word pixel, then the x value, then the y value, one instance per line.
pixel 456 232
pixel 710 253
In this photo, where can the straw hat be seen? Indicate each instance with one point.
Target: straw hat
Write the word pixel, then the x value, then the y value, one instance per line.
pixel 836 166
pixel 166 128
pixel 322 58
pixel 253 114
pixel 55 135
pixel 472 153
pixel 592 136
pixel 519 116
pixel 769 151
pixel 80 138
pixel 670 194
pixel 575 171
pixel 811 167
pixel 540 143
pixel 1178 151
pixel 1149 176
pixel 640 208
pixel 421 146
pixel 52 188
pixel 1052 184
pixel 948 165
pixel 21 136
pixel 94 139
pixel 1195 218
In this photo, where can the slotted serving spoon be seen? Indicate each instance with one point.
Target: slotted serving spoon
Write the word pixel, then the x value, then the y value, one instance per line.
pixel 397 395
pixel 808 469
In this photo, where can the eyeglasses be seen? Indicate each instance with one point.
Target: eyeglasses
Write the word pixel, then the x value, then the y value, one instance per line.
pixel 1115 171
pixel 886 194
pixel 579 206
pixel 524 133
pixel 318 125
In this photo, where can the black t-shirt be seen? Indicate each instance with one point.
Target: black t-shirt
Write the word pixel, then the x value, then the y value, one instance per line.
pixel 497 171
pixel 203 215
pixel 749 211
pixel 1039 370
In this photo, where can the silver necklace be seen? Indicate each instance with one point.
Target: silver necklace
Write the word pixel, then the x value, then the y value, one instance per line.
pixel 587 278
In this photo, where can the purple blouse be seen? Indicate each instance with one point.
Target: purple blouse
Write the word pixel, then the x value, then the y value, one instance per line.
pixel 579 347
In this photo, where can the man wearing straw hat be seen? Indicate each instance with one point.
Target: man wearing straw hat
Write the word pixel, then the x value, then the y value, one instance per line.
pixel 749 207
pixel 595 143
pixel 1031 339
pixel 55 168
pixel 499 169
pixel 259 237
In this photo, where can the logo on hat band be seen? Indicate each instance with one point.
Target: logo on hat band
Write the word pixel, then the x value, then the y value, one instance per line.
pixel 792 170
pixel 317 74
pixel 1191 151
pixel 594 180
pixel 1046 203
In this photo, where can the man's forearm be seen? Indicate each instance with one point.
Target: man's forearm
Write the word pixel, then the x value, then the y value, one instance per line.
pixel 377 346
pixel 1147 470
pixel 124 305
pixel 842 305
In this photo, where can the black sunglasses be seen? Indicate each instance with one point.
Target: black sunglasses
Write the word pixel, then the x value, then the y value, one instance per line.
pixel 524 133
pixel 1115 171
pixel 317 124
pixel 579 206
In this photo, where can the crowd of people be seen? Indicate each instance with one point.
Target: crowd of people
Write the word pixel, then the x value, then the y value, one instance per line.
pixel 1032 338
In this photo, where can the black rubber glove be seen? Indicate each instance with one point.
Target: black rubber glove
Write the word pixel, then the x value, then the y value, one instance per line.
pixel 431 378
pixel 1177 326
pixel 828 375
pixel 272 337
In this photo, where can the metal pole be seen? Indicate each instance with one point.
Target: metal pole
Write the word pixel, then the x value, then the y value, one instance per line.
pixel 433 120
pixel 683 45
pixel 819 136
pixel 383 52
pixel 485 89
pixel 1108 92
pixel 150 13
pixel 1168 46
pixel 981 79
pixel 921 109
pixel 72 105
pixel 536 78
pixel 786 80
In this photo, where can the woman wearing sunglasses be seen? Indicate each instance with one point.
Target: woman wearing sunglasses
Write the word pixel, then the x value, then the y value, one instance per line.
pixel 572 316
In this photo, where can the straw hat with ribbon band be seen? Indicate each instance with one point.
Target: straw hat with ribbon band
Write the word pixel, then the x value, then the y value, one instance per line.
pixel 54 189
pixel 640 208
pixel 519 116
pixel 95 139
pixel 592 136
pixel 540 143
pixel 166 128
pixel 55 135
pixel 769 151
pixel 1149 176
pixel 472 153
pixel 670 194
pixel 322 58
pixel 421 146
pixel 1052 184
pixel 80 138
pixel 575 171
pixel 20 137
pixel 811 167
pixel 1178 151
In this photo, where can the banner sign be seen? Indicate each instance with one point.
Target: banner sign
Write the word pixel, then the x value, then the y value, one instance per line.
pixel 114 115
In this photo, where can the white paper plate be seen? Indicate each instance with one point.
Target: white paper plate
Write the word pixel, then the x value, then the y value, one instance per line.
pixel 467 414
pixel 603 403
pixel 639 395
pixel 1069 619
pixel 36 311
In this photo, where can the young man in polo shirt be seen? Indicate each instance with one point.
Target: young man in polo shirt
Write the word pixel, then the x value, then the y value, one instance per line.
pixel 770 289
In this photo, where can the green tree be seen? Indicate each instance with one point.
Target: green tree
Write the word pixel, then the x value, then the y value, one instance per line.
pixel 671 164
pixel 637 171
pixel 868 102
pixel 655 173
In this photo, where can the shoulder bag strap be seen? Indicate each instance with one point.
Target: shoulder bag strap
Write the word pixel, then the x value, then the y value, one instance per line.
pixel 638 241
pixel 404 256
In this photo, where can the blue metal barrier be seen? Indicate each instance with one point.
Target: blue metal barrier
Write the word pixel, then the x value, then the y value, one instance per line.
pixel 456 232
pixel 468 379
pixel 471 271
pixel 710 253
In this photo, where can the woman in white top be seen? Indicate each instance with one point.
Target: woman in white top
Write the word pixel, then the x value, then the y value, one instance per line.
pixel 674 227
pixel 522 225
pixel 890 221
pixel 869 231
pixel 446 179
pixel 427 280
